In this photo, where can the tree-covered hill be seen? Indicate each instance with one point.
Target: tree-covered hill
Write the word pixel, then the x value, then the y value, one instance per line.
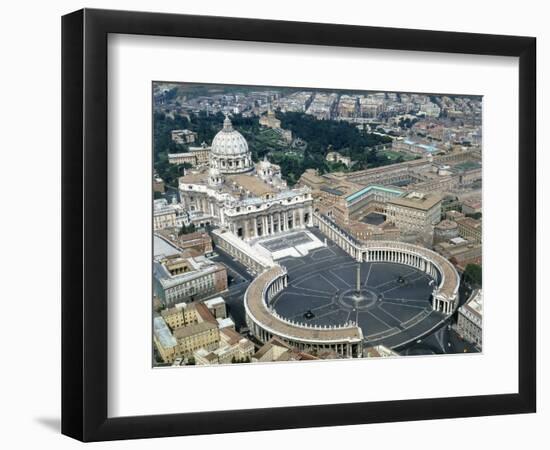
pixel 321 136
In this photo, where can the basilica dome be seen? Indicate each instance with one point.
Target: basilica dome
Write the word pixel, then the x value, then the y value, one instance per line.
pixel 229 152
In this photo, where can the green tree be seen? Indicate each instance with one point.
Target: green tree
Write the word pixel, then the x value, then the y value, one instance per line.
pixel 476 215
pixel 472 274
pixel 187 229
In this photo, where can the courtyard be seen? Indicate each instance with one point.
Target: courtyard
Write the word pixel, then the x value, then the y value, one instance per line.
pixel 392 305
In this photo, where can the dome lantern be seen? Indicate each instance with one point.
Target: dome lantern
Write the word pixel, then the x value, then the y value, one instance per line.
pixel 227 125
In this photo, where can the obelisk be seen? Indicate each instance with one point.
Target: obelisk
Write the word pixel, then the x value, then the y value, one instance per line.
pixel 358 286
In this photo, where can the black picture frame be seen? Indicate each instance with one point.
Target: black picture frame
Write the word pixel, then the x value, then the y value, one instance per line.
pixel 84 224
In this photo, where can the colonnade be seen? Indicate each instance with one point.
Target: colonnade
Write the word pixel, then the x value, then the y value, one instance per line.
pixel 347 347
pixel 345 241
pixel 402 257
pixel 276 286
pixel 344 349
pixel 346 341
pixel 445 306
pixel 401 253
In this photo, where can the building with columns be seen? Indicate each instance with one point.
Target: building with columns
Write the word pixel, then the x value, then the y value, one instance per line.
pixel 250 200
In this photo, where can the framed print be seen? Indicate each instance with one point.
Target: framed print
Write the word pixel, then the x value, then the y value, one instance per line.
pixel 274 225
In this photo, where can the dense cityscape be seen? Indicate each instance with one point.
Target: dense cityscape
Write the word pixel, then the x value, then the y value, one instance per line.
pixel 305 224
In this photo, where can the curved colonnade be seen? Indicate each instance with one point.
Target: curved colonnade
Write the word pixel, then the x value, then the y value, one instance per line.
pixel 447 280
pixel 265 323
pixel 346 340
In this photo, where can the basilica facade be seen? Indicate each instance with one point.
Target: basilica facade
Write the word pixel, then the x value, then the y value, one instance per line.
pixel 249 199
